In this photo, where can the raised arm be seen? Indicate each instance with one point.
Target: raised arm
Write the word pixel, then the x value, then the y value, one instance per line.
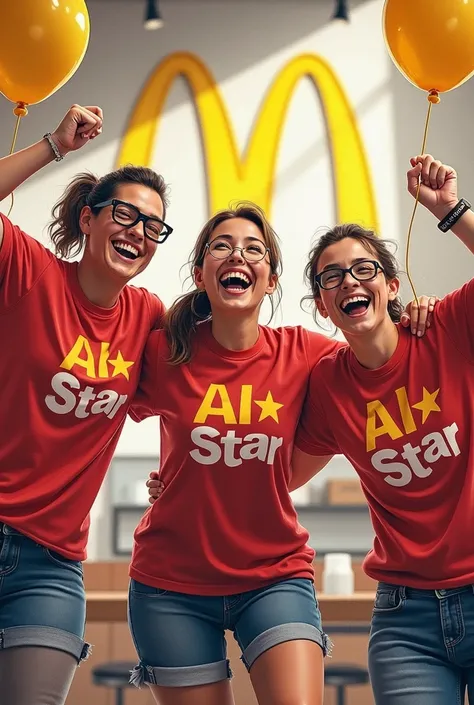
pixel 439 194
pixel 78 127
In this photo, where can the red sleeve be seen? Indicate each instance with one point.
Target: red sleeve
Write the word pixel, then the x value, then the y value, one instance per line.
pixel 157 311
pixel 145 401
pixel 454 314
pixel 313 435
pixel 318 346
pixel 22 262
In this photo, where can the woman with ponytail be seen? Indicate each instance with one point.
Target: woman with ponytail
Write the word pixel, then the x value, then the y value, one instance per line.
pixel 222 547
pixel 73 337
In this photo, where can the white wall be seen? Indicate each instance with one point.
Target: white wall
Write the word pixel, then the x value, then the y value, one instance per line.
pixel 245 44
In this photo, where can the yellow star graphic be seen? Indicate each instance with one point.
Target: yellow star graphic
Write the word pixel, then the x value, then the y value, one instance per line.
pixel 427 404
pixel 269 407
pixel 120 366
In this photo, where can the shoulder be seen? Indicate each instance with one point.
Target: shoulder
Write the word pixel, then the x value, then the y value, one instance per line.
pixel 138 297
pixel 334 364
pixel 157 345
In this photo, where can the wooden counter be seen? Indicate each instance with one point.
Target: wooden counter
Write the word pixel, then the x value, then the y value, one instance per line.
pixel 112 607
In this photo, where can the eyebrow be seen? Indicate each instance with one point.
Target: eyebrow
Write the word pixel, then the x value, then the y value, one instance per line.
pixel 336 265
pixel 227 236
pixel 148 215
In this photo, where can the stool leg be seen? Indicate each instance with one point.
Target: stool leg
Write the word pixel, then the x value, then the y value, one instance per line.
pixel 341 698
pixel 119 697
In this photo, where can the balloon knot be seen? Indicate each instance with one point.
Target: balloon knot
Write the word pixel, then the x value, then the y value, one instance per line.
pixel 20 110
pixel 433 97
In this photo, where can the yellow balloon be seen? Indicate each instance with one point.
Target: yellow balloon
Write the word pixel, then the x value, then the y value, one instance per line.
pixel 431 41
pixel 42 44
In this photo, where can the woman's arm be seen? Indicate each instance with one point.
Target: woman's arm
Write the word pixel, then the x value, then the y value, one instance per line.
pixel 77 127
pixel 304 467
pixel 439 194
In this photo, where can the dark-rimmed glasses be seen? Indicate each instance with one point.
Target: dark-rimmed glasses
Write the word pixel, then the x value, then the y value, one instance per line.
pixel 221 249
pixel 128 215
pixel 363 271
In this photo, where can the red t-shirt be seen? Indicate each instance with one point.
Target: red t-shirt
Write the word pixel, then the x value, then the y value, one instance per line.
pixel 225 522
pixel 407 429
pixel 69 369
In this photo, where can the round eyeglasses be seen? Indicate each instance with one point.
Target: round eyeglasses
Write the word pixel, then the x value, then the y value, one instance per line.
pixel 128 215
pixel 362 271
pixel 221 249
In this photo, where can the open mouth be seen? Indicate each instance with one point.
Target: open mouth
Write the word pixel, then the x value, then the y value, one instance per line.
pixel 235 282
pixel 125 249
pixel 355 305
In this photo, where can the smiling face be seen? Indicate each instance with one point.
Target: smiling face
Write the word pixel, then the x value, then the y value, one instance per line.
pixel 356 307
pixel 233 284
pixel 121 251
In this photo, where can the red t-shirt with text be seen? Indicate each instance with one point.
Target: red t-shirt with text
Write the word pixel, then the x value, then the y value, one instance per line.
pixel 225 522
pixel 69 370
pixel 407 429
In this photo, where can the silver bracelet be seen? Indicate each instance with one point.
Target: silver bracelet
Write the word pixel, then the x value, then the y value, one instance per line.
pixel 57 154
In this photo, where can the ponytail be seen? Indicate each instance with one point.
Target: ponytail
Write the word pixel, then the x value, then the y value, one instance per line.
pixel 181 321
pixel 64 230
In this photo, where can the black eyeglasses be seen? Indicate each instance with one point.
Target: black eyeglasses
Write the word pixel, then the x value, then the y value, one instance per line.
pixel 362 271
pixel 221 249
pixel 126 214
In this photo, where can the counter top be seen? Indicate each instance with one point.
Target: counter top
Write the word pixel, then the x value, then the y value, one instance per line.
pixel 112 607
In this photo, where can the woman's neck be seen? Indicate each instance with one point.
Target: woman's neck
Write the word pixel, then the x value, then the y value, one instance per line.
pixel 235 332
pixel 96 288
pixel 373 350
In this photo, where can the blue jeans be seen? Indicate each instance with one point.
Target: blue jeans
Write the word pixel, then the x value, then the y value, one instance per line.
pixel 421 648
pixel 42 598
pixel 180 638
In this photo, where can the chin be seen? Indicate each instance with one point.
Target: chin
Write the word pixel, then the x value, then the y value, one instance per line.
pixel 358 328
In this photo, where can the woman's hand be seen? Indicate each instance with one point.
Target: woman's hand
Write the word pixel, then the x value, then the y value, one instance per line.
pixel 155 487
pixel 78 126
pixel 418 315
pixel 438 184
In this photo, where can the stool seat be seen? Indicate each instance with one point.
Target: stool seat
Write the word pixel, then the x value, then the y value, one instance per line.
pixel 342 674
pixel 115 674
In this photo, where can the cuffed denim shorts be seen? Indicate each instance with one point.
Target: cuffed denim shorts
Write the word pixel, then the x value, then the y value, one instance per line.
pixel 42 597
pixel 180 638
pixel 421 647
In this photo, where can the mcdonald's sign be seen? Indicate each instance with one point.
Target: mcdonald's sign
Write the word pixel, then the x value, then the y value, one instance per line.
pixel 231 176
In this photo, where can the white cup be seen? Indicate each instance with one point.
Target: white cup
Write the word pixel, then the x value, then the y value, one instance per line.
pixel 338 576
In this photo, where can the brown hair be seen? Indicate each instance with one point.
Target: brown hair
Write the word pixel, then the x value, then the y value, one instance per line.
pixel 87 190
pixel 188 310
pixel 369 240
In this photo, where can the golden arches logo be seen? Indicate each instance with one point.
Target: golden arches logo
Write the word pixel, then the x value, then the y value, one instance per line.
pixel 251 176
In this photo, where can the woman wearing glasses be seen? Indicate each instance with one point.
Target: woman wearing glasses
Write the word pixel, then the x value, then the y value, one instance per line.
pixel 74 334
pixel 222 547
pixel 402 411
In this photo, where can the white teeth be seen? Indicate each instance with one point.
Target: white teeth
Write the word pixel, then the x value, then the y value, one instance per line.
pixel 237 275
pixel 354 299
pixel 126 246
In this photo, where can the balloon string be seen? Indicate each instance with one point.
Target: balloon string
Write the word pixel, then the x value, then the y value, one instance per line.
pixel 12 149
pixel 432 98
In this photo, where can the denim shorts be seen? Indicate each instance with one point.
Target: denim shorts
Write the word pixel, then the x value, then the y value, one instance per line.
pixel 180 638
pixel 42 598
pixel 421 647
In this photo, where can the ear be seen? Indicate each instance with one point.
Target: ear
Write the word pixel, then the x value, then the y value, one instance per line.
pixel 321 308
pixel 198 278
pixel 85 220
pixel 272 284
pixel 393 288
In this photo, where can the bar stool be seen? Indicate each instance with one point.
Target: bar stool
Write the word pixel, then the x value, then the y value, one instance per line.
pixel 115 674
pixel 341 676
